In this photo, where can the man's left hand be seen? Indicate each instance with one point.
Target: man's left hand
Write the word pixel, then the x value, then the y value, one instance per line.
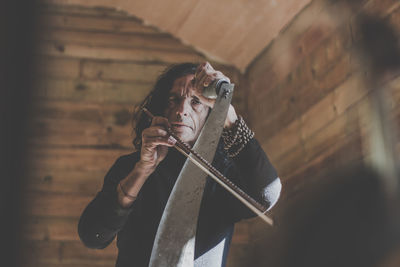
pixel 204 76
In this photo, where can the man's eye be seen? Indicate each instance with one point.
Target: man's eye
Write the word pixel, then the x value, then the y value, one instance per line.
pixel 195 101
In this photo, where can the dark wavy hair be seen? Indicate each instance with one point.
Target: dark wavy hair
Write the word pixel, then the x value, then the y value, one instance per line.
pixel 156 100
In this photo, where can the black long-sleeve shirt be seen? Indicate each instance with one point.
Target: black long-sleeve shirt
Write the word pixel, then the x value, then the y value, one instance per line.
pixel 137 225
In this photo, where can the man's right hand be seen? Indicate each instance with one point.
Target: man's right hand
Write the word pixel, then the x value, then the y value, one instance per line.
pixel 155 143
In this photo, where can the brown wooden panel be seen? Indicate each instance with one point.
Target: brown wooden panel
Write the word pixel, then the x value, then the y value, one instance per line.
pixel 91 91
pixel 290 161
pixel 57 67
pixel 72 132
pixel 326 137
pixel 36 252
pixel 297 94
pixel 381 7
pixel 122 71
pixel 310 93
pixel 82 182
pixel 306 33
pixel 59 7
pixel 284 141
pixel 247 29
pixel 97 22
pixel 74 123
pixel 77 252
pixel 55 204
pixel 241 234
pixel 269 124
pixel 342 154
pixel 348 93
pixel 124 54
pixel 73 159
pixel 51 229
pixel 117 40
pixel 395 19
pixel 304 97
pixel 55 253
pixel 318 116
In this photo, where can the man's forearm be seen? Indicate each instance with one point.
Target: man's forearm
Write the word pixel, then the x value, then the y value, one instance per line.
pixel 130 186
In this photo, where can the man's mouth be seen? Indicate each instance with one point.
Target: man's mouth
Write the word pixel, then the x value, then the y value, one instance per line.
pixel 180 126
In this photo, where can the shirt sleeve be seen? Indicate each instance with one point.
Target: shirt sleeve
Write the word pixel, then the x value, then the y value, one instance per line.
pixel 253 172
pixel 104 217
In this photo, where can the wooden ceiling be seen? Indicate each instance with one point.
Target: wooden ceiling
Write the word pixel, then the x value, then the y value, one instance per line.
pixel 231 31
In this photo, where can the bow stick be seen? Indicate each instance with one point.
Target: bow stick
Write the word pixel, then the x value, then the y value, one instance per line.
pixel 203 164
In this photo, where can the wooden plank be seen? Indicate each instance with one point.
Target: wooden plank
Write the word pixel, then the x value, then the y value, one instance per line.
pixel 394 19
pixel 72 132
pixel 339 156
pixel 311 93
pixel 122 71
pixel 36 252
pixel 116 40
pixel 328 136
pixel 50 229
pixel 291 47
pixel 349 93
pixel 81 124
pixel 121 54
pixel 381 7
pixel 57 67
pixel 76 252
pixel 55 204
pixel 55 253
pixel 318 116
pixel 82 182
pixel 59 7
pixel 91 91
pixel 246 31
pixel 290 161
pixel 269 124
pixel 284 141
pixel 298 93
pixel 241 234
pixel 73 159
pixel 96 22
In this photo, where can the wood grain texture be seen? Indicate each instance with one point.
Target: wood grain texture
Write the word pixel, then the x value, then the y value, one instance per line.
pixel 236 32
pixel 94 65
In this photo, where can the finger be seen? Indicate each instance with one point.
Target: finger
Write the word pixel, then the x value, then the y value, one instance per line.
pixel 154 131
pixel 208 79
pixel 208 67
pixel 220 75
pixel 154 141
pixel 160 121
pixel 199 69
pixel 199 77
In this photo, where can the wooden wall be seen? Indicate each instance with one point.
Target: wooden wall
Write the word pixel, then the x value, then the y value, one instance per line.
pixel 304 96
pixel 93 66
pixel 309 102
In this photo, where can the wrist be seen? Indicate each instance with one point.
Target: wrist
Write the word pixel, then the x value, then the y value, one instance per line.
pixel 143 169
pixel 236 138
pixel 231 118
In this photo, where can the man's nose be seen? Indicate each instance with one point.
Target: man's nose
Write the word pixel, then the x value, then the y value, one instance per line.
pixel 183 108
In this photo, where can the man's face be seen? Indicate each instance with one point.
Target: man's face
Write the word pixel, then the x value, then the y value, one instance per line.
pixel 184 111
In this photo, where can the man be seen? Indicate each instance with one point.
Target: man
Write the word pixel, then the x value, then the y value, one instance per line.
pixel 138 185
